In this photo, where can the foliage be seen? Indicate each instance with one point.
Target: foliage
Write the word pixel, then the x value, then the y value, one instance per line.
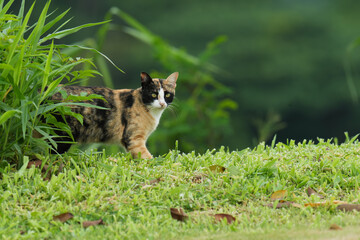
pixel 283 58
pixel 133 198
pixel 32 66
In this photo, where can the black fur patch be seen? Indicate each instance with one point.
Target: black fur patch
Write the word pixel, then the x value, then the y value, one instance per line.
pixel 146 92
pixel 126 134
pixel 127 98
pixel 169 99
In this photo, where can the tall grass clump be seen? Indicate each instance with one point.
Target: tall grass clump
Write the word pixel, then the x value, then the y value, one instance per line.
pixel 32 66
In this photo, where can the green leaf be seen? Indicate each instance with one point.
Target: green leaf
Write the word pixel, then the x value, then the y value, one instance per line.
pixel 53 22
pixel 64 33
pixel 17 39
pixel 24 115
pixel 6 66
pixel 93 50
pixel 33 39
pixel 47 67
pixel 21 11
pixel 24 166
pixel 6 8
pixel 7 115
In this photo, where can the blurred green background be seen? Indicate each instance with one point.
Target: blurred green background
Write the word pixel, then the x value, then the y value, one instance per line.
pixel 285 64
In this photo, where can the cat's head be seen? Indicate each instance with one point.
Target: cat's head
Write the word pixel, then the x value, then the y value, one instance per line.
pixel 158 93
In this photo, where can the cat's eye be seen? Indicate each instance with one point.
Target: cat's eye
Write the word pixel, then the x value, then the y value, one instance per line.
pixel 154 95
pixel 168 95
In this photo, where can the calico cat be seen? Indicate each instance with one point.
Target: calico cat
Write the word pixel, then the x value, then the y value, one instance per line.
pixel 132 115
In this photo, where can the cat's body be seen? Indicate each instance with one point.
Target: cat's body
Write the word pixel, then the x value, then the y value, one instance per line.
pixel 132 115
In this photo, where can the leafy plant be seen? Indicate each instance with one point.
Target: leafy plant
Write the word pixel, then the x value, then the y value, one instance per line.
pixel 32 66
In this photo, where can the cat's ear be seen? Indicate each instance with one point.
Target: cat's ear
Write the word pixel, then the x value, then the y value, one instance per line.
pixel 171 80
pixel 145 78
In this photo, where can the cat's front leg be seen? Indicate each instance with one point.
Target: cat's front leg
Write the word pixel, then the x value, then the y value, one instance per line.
pixel 136 145
pixel 140 149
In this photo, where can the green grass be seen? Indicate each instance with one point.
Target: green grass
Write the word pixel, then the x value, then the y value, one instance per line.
pixel 119 190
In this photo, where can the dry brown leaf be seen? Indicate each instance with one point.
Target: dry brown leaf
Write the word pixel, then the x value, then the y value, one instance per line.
pixel 47 171
pixel 279 205
pixel 44 170
pixel 92 223
pixel 325 203
pixel 311 191
pixel 155 181
pixel 199 178
pixel 278 195
pixel 80 178
pixel 297 205
pixel 202 213
pixel 174 177
pixel 347 207
pixel 220 216
pixel 284 204
pixel 178 214
pixel 176 164
pixel 113 159
pixel 335 227
pixel 146 186
pixel 63 217
pixel 151 183
pixel 217 169
pixel 36 163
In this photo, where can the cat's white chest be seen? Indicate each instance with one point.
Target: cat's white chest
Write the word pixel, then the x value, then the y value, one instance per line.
pixel 156 114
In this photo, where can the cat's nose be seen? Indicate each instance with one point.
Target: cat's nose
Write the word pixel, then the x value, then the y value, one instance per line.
pixel 162 104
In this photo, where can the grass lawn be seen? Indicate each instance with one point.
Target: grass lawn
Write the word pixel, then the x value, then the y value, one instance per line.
pixel 133 197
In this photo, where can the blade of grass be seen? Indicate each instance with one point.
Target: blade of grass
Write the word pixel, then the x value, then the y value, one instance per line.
pixel 17 39
pixel 21 11
pixel 93 50
pixel 7 115
pixel 64 33
pixel 47 67
pixel 53 22
pixel 24 116
pixel 35 35
pixel 6 8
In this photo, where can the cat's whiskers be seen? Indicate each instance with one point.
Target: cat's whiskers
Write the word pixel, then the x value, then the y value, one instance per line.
pixel 173 109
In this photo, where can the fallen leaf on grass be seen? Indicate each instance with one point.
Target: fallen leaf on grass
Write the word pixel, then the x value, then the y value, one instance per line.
pixel 220 216
pixel 199 178
pixel 325 203
pixel 36 163
pixel 113 159
pixel 174 177
pixel 63 217
pixel 278 195
pixel 44 170
pixel 178 214
pixel 347 207
pixel 284 204
pixel 151 183
pixel 80 178
pixel 217 169
pixel 335 227
pixel 155 181
pixel 93 223
pixel 311 191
